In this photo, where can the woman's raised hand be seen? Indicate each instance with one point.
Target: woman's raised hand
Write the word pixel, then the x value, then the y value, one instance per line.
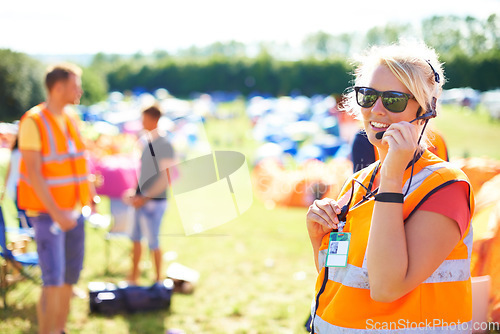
pixel 321 217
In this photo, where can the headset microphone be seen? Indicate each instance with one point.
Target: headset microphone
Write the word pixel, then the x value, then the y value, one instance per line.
pixel 428 115
pixel 379 135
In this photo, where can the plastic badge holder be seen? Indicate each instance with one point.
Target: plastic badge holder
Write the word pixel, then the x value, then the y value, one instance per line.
pixel 338 248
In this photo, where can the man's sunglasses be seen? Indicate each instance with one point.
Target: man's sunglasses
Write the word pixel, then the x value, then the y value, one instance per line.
pixel 392 100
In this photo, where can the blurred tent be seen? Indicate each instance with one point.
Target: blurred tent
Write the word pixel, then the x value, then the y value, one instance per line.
pixel 486 247
pixel 478 169
pixel 115 174
pixel 466 97
pixel 275 185
pixel 491 101
pixel 305 128
pixel 484 176
pixel 303 155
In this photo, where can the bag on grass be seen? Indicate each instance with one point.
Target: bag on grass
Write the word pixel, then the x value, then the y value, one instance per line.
pixel 108 299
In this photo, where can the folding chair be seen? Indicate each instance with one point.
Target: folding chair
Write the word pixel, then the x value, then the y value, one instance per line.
pixel 122 223
pixel 14 265
pixel 118 225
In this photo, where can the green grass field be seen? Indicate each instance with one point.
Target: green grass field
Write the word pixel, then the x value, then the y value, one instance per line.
pixel 257 271
pixel 469 133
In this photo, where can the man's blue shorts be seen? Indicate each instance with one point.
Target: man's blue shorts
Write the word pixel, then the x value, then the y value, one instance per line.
pixel 60 253
pixel 147 222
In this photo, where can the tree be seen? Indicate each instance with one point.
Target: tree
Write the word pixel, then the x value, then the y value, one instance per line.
pixel 318 44
pixel 476 38
pixel 21 84
pixel 103 63
pixel 160 55
pixel 343 44
pixel 492 31
pixel 387 34
pixel 229 49
pixel 466 45
pixel 95 87
pixel 444 34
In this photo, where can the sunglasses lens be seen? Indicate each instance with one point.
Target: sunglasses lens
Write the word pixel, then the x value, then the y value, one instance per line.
pixel 394 101
pixel 366 97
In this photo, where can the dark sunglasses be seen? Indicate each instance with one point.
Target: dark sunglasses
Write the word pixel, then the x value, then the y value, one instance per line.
pixel 392 100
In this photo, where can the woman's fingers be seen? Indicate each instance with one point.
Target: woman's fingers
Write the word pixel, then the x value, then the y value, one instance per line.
pixel 402 134
pixel 319 219
pixel 324 212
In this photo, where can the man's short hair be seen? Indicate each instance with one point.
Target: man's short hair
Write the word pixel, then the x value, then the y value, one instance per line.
pixel 60 72
pixel 154 112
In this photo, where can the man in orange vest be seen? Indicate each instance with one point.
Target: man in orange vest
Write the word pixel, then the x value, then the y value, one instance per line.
pixel 54 189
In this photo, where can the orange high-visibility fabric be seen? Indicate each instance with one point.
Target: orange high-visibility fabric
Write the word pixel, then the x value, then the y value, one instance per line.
pixel 64 168
pixel 445 297
pixel 438 145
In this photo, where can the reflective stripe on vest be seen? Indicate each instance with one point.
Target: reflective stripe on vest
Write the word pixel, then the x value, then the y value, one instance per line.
pixel 58 180
pixel 346 301
pixel 322 326
pixel 53 156
pixel 356 277
pixel 64 167
pixel 420 177
pixel 447 271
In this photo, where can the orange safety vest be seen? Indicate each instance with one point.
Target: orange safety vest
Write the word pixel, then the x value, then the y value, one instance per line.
pixel 437 145
pixel 64 166
pixel 442 301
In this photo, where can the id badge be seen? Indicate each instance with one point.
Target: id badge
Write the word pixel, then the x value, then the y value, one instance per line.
pixel 338 248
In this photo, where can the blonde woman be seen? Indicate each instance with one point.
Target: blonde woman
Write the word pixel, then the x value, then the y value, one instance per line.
pixel 400 228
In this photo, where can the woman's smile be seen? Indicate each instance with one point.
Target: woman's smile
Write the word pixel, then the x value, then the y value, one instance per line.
pixel 377 126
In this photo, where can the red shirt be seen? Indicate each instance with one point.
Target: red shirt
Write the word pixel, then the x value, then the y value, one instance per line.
pixel 451 201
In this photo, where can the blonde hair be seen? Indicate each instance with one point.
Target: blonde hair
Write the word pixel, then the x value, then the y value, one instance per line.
pixel 413 63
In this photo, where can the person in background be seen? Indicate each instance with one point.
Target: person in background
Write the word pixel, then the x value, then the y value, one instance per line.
pixel 11 182
pixel 150 197
pixel 53 188
pixel 401 225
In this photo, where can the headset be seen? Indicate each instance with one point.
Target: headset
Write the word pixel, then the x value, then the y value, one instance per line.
pixel 430 113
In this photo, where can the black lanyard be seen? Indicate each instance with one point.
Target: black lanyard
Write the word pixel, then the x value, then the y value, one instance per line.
pixel 369 193
pixel 342 218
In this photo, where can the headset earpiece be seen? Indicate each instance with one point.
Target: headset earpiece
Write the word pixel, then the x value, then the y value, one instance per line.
pixel 436 74
pixel 431 108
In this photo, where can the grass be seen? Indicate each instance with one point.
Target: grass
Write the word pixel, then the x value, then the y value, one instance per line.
pixel 257 271
pixel 468 132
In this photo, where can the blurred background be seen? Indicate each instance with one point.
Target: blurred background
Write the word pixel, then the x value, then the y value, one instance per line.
pixel 263 78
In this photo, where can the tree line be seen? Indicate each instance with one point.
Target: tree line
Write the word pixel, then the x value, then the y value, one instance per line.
pixel 265 75
pixel 469 48
pixel 261 75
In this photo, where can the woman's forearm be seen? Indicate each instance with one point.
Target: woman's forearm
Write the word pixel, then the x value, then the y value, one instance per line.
pixel 387 252
pixel 316 243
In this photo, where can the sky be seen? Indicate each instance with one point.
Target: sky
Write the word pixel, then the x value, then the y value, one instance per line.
pixel 127 27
